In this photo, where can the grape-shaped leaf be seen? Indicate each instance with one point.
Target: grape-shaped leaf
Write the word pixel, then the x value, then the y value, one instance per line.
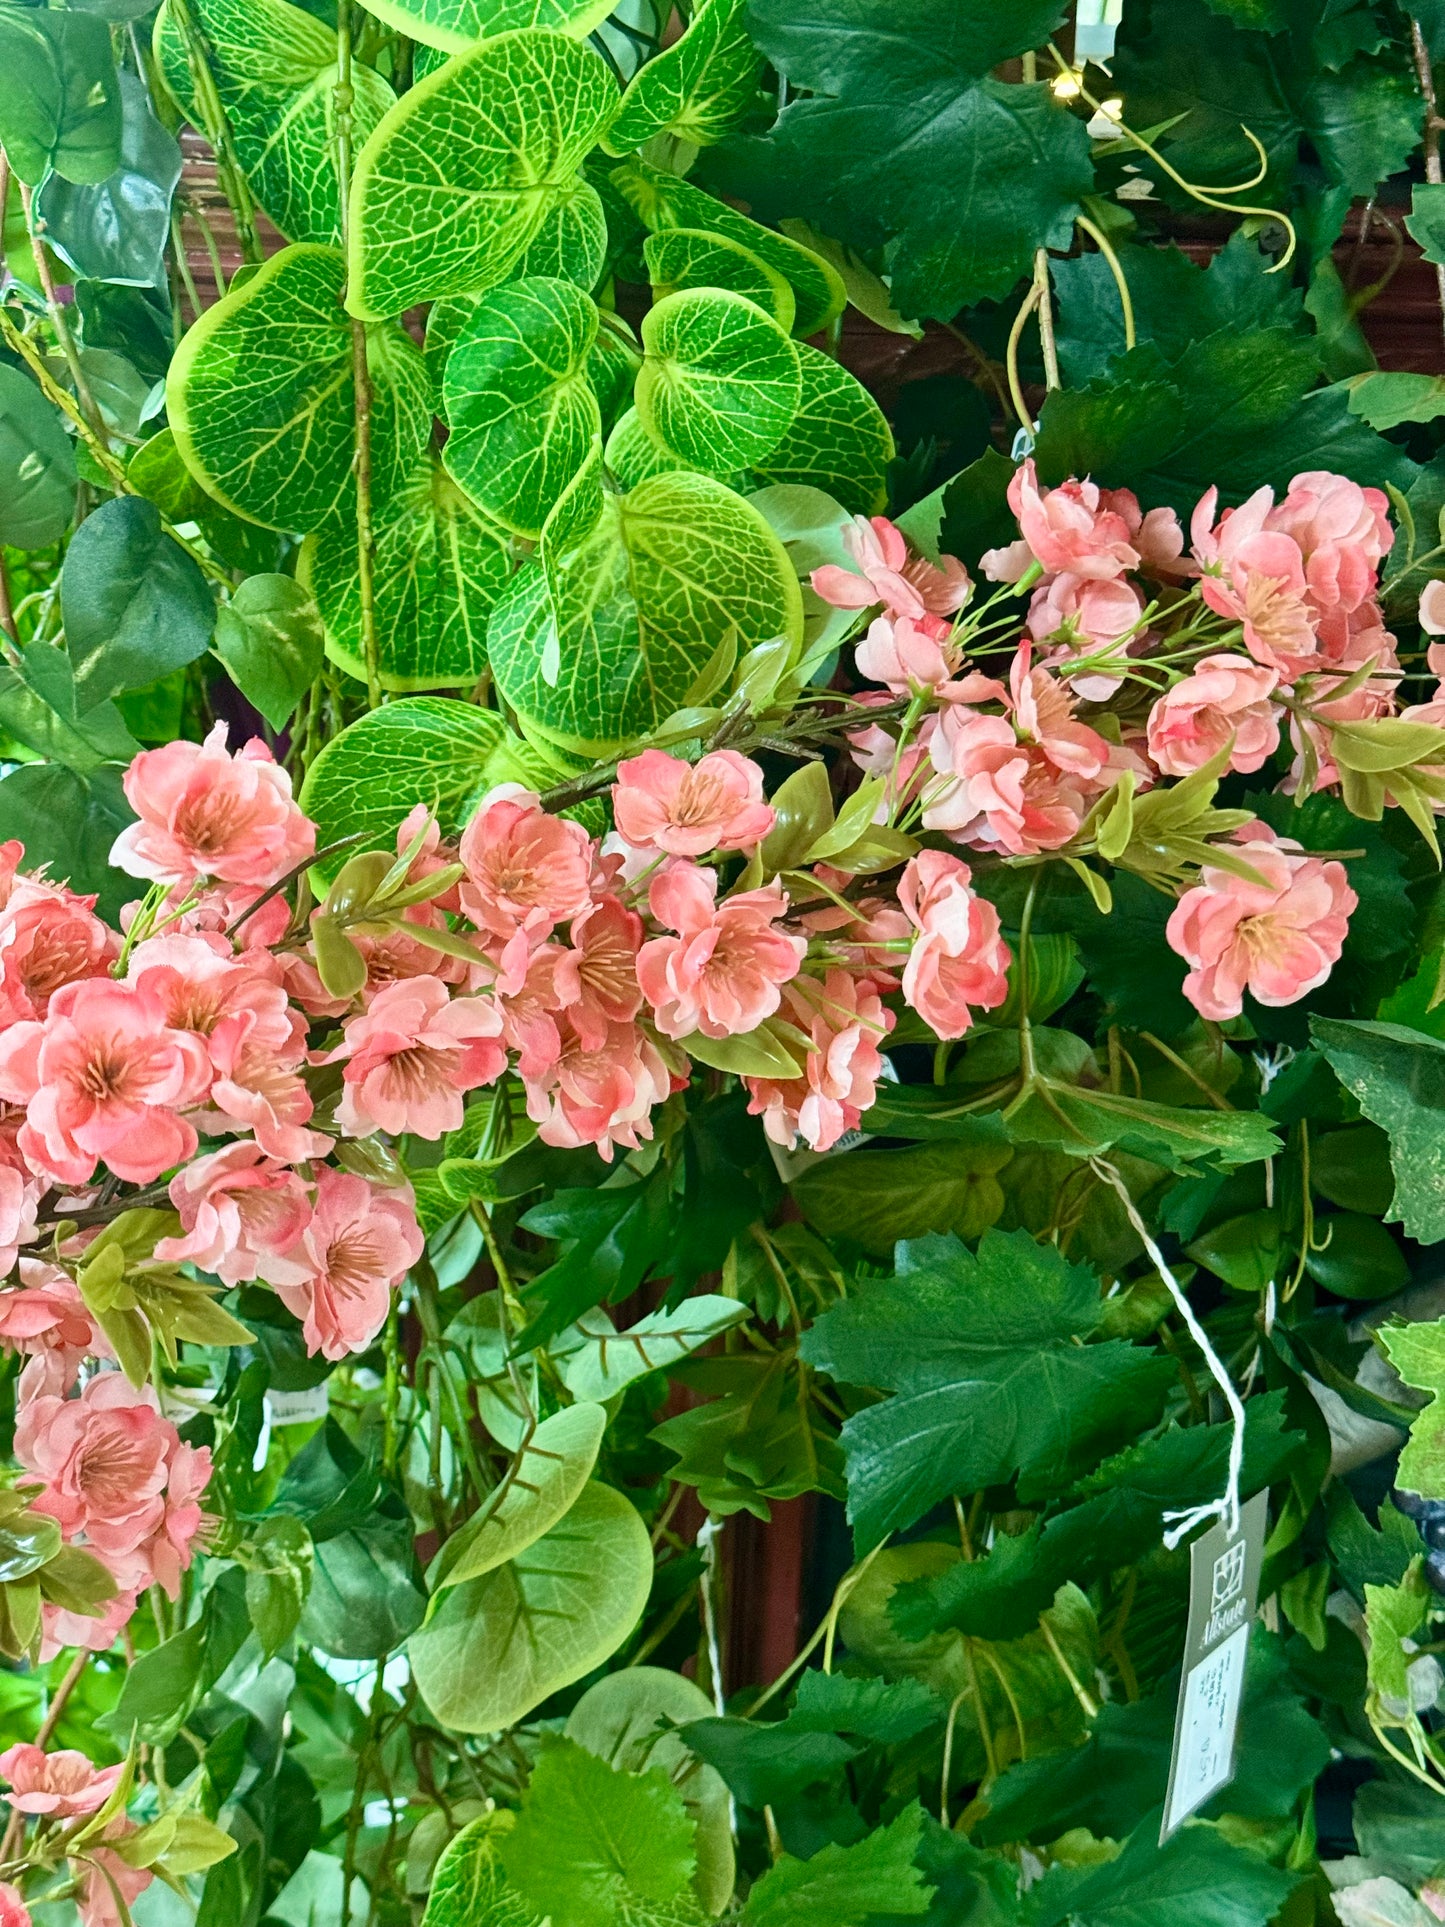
pixel 457 25
pixel 838 440
pixel 260 396
pixel 663 201
pixel 683 257
pixel 572 240
pixel 458 179
pixel 523 413
pixel 632 456
pixel 438 567
pixel 499 1645
pixel 635 595
pixel 720 382
pixel 697 90
pixel 275 71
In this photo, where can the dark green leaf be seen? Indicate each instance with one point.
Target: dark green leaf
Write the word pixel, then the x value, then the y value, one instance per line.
pixel 842 1886
pixel 1398 1077
pixel 878 1197
pixel 164 1685
pixel 68 822
pixel 60 106
pixel 135 605
pixel 1198 1876
pixel 269 636
pixel 37 466
pixel 117 229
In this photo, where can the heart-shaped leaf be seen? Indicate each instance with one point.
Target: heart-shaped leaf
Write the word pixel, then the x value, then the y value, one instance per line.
pixel 699 88
pixel 269 636
pixel 720 381
pixel 683 257
pixel 572 240
pixel 37 466
pixel 457 25
pixel 60 104
pixel 135 604
pixel 838 439
pixel 116 229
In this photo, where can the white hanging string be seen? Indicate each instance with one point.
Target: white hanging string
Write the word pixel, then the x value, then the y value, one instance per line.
pixel 1226 1506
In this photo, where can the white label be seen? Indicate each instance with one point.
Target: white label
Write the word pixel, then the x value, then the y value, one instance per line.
pixel 1207 1723
pixel 299 1408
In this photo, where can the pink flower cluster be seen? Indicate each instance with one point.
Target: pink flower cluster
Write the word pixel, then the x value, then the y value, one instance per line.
pixel 60 1786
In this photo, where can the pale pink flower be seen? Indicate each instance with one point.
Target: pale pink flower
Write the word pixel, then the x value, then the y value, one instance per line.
pixel 1082 529
pixel 845 1023
pixel 531 1014
pixel 238 1209
pixel 601 1093
pixel 526 871
pixel 339 1277
pixel 897 651
pixel 1342 531
pixel 1278 939
pixel 13 1911
pixel 959 962
pixel 200 988
pixel 62 1630
pixel 49 937
pixel 663 803
pixel 12 855
pixel 47 1317
pixel 19 1203
pixel 261 1093
pixel 1432 619
pixel 204 813
pixel 1432 1896
pixel 724 970
pixel 103 1875
pixel 410 1056
pixel 924 591
pixel 595 979
pixel 59 1785
pixel 1224 699
pixel 1084 617
pixel 1001 793
pixel 866 938
pixel 103 1077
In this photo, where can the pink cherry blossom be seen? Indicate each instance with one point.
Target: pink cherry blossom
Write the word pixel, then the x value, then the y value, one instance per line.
pixel 19 1202
pixel 59 1785
pixel 723 971
pixel 103 1875
pixel 846 1022
pixel 1083 617
pixel 1224 699
pixel 959 962
pixel 924 591
pixel 897 651
pixel 238 1209
pixel 1083 529
pixel 526 871
pixel 1278 939
pixel 61 1629
pixel 259 1092
pixel 46 1317
pixel 104 1077
pixel 200 988
pixel 13 1911
pixel 865 937
pixel 601 1093
pixel 661 802
pixel 338 1278
pixel 49 937
pixel 1342 531
pixel 1001 793
pixel 411 1055
pixel 205 813
pixel 595 979
pixel 1432 612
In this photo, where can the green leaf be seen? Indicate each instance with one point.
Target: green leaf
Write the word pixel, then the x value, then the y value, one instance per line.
pixel 838 439
pixel 439 565
pixel 590 1839
pixel 1426 220
pixel 1197 1876
pixel 904 126
pixel 278 1581
pixel 571 243
pixel 164 1684
pixel 523 413
pixel 1388 400
pixel 664 201
pixel 274 68
pixel 1394 1614
pixel 68 822
pixel 364 1599
pixel 842 1886
pixel 37 466
pixel 1355 1257
pixel 989 1384
pixel 878 1197
pixel 553 1466
pixel 425 749
pixel 261 398
pixel 457 25
pixel 469 1887
pixel 1417 1353
pixel 513 120
pixel 1089 1123
pixel 135 605
pixel 682 257
pixel 720 380
pixel 270 638
pixel 61 104
pixel 1398 1078
pixel 597 1361
pixel 697 89
pixel 158 471
pixel 499 1645
pixel 117 229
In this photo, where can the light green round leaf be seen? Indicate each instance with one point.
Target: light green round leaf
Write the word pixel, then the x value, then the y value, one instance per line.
pixel 810 524
pixel 838 440
pixel 662 200
pixel 275 72
pixel 612 367
pixel 423 749
pixel 134 603
pixel 270 638
pixel 37 466
pixel 260 397
pixel 457 25
pixel 445 322
pixel 60 103
pixel 499 1645
pixel 720 380
pixel 632 456
pixel 636 594
pixel 454 185
pixel 438 566
pixel 470 1887
pixel 572 240
pixel 555 1464
pixel 682 257
pixel 699 88
pixel 523 414
pixel 158 471
pixel 623 1720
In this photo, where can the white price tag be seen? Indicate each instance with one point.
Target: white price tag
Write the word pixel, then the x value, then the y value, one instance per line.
pixel 299 1408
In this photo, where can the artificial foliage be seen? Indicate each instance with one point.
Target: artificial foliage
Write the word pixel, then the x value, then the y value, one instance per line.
pixel 612 933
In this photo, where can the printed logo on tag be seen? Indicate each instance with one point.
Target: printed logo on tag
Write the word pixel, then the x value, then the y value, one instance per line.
pixel 1223 1589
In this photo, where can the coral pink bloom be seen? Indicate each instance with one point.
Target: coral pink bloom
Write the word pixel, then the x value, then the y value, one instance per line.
pixel 103 1077
pixel 663 803
pixel 47 1317
pixel 724 970
pixel 19 1203
pixel 1432 613
pixel 898 652
pixel 526 871
pixel 411 1055
pixel 59 1785
pixel 256 1091
pixel 595 980
pixel 13 1911
pixel 198 988
pixel 1224 698
pixel 358 1247
pixel 531 1014
pixel 61 1629
pixel 204 813
pixel 238 1209
pixel 1085 617
pixel 116 1471
pixel 600 1093
pixel 1082 529
pixel 923 591
pixel 864 937
pixel 1278 939
pixel 846 1022
pixel 1043 711
pixel 108 1877
pixel 49 937
pixel 1342 531
pixel 960 962
pixel 1000 793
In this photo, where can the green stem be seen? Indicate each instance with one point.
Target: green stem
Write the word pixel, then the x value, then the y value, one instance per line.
pixel 360 375
pixel 217 129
